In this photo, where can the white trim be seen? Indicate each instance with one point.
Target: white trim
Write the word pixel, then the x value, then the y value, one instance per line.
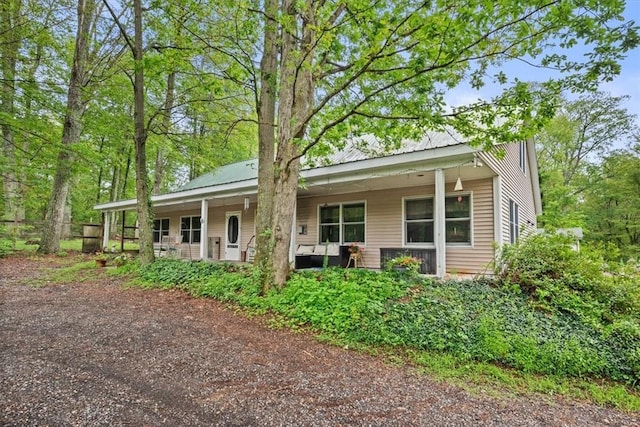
pixel 471 216
pixel 188 242
pixel 105 231
pixel 440 158
pixel 448 244
pixel 497 209
pixel 294 226
pixel 535 179
pixel 439 224
pixel 153 228
pixel 204 225
pixel 227 215
pixel 403 218
pixel 341 240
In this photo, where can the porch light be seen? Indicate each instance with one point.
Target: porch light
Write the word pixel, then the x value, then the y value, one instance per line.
pixel 246 203
pixel 458 186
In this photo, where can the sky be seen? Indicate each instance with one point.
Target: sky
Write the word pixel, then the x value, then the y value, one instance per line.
pixel 626 83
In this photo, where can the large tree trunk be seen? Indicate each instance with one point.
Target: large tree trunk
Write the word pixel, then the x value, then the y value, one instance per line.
pixel 266 136
pixel 161 161
pixel 295 102
pixel 144 208
pixel 54 220
pixel 10 41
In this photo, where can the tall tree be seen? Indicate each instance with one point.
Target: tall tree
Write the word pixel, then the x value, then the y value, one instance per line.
pixel 363 66
pixel 611 203
pixel 11 30
pixel 578 137
pixel 52 231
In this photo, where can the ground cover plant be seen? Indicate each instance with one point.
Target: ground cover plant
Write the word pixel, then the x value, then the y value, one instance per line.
pixel 550 310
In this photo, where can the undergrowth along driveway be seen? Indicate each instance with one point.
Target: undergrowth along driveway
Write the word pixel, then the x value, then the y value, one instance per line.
pixel 95 353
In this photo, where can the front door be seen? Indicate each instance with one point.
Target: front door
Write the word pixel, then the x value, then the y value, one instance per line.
pixel 232 238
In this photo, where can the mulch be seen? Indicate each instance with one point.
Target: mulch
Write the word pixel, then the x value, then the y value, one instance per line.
pixel 93 353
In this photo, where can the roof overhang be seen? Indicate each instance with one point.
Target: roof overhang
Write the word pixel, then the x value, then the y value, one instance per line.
pixel 417 161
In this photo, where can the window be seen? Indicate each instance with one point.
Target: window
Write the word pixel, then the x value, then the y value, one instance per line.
pixel 514 226
pixel 160 228
pixel 190 229
pixel 342 223
pixel 419 220
pixel 418 217
pixel 523 156
pixel 458 219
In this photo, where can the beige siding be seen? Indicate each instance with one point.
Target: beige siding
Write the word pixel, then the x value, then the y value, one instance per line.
pixel 216 227
pixel 516 186
pixel 384 223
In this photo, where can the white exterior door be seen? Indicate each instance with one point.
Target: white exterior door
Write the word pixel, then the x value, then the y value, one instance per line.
pixel 232 237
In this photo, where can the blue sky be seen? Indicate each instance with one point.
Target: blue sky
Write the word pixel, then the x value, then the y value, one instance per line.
pixel 627 83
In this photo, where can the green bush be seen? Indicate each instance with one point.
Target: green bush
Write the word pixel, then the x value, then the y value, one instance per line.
pixel 472 320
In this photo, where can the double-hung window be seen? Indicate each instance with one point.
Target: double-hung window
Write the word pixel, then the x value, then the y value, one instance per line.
pixel 458 219
pixel 419 220
pixel 343 223
pixel 160 228
pixel 514 221
pixel 190 229
pixel 522 156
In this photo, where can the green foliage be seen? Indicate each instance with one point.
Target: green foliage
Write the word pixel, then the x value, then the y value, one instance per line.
pixel 470 320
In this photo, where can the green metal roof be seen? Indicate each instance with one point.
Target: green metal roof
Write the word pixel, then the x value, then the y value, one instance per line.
pixel 234 172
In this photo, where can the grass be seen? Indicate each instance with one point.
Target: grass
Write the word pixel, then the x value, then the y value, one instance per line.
pixel 71 245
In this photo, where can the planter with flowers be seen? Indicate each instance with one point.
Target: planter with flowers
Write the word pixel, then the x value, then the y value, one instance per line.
pixel 101 259
pixel 404 263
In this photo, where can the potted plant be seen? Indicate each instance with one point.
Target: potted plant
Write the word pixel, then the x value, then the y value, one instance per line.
pixel 354 248
pixel 404 263
pixel 101 259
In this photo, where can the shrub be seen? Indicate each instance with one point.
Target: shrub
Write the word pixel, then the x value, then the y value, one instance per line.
pixel 556 277
pixel 477 319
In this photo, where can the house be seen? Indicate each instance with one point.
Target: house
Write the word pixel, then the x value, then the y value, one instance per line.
pixel 438 199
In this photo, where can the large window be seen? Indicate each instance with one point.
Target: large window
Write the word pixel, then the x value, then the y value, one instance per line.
pixel 190 229
pixel 514 221
pixel 344 223
pixel 419 220
pixel 160 228
pixel 418 216
pixel 458 219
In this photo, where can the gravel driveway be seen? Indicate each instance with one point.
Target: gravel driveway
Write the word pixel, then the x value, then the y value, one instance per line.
pixel 94 353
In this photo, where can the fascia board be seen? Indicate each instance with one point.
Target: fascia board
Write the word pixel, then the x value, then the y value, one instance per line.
pixel 533 173
pixel 439 157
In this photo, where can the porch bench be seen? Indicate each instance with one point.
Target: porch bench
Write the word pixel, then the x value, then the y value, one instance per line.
pixel 426 256
pixel 312 256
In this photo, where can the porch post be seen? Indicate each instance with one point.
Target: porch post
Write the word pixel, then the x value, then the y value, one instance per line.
pixel 204 221
pixel 439 223
pixel 105 229
pixel 294 228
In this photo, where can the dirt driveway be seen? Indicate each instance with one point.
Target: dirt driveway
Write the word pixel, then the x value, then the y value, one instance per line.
pixel 94 353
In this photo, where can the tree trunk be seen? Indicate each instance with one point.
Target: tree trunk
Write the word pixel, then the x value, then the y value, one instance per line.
pixel 266 150
pixel 144 208
pixel 161 161
pixel 54 220
pixel 295 101
pixel 10 41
